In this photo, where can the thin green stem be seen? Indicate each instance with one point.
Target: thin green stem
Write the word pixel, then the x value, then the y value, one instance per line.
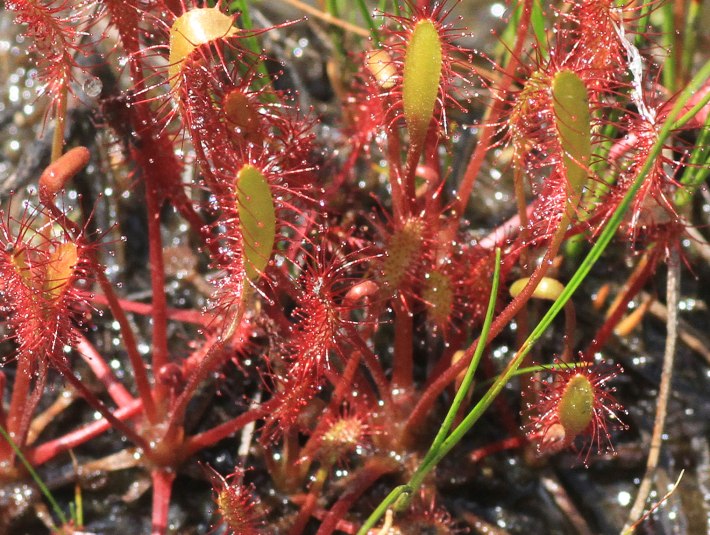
pixel 643 21
pixel 370 20
pixel 461 393
pixel 434 454
pixel 328 18
pixel 668 41
pixel 38 480
pixel 473 365
pixel 243 7
pixel 690 36
pixel 537 20
pixel 385 504
pixel 78 506
pixel 692 112
pixel 396 8
pixel 509 34
pixel 697 169
pixel 251 41
pixel 337 34
pixel 536 369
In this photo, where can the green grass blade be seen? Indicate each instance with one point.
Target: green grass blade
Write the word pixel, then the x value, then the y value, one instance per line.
pixel 35 476
pixel 697 169
pixel 643 22
pixel 473 365
pixel 535 369
pixel 537 19
pixel 427 465
pixel 378 513
pixel 668 39
pixel 251 41
pixel 690 35
pixel 370 20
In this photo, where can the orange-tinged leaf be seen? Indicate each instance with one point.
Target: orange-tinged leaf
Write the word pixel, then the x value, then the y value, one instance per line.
pixel 192 29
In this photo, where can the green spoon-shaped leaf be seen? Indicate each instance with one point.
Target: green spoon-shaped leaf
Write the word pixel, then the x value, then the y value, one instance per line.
pixel 257 219
pixel 422 74
pixel 573 122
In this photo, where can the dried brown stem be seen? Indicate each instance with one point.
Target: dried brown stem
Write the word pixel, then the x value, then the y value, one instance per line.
pixel 672 295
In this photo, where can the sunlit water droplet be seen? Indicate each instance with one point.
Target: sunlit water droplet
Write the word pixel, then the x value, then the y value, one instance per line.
pixel 92 87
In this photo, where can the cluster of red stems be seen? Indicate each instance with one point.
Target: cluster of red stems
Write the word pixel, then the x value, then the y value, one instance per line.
pixel 329 277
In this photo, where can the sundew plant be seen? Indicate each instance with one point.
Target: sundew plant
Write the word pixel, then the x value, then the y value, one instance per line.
pixel 394 267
